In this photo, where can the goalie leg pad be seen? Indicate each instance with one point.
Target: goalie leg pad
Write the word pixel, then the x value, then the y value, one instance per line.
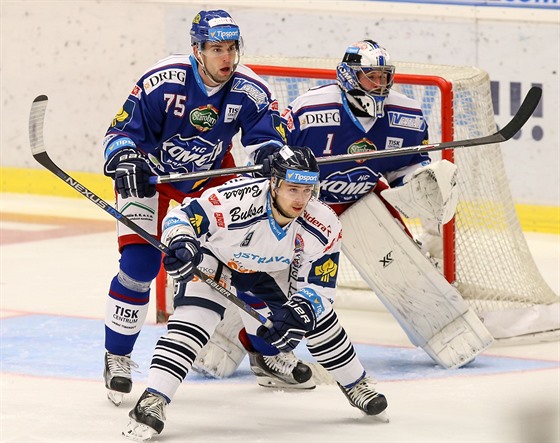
pixel 223 354
pixel 429 309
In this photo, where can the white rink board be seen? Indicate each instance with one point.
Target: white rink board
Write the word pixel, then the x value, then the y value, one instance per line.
pixel 86 57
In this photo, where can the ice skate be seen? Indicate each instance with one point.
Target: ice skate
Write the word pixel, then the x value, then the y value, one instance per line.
pixel 364 397
pixel 147 418
pixel 117 375
pixel 281 371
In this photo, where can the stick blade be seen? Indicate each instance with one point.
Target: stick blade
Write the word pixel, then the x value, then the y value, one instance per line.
pixel 36 122
pixel 40 98
pixel 525 111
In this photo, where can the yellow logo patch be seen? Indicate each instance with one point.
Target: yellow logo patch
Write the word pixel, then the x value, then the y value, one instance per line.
pixel 327 270
pixel 120 117
pixel 196 222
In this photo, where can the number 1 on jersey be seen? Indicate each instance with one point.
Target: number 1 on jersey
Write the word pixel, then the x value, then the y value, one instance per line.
pixel 328 148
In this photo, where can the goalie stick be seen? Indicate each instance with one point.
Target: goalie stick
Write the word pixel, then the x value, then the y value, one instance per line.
pixel 523 114
pixel 36 123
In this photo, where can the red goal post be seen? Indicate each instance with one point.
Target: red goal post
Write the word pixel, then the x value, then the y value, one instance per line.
pixel 485 252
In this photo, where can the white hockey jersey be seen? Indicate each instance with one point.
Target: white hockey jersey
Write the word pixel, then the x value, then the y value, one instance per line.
pixel 234 223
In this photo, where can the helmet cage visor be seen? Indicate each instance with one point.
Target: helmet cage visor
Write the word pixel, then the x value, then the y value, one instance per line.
pixel 378 80
pixel 366 75
pixel 375 80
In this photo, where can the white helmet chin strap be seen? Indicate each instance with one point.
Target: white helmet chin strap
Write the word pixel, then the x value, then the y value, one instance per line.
pixel 363 101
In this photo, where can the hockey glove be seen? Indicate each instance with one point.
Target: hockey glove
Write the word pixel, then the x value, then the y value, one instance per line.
pixel 131 172
pixel 291 322
pixel 263 156
pixel 430 193
pixel 185 255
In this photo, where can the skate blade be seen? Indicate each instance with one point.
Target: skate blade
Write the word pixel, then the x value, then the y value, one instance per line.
pixel 115 397
pixel 272 383
pixel 138 431
pixel 382 417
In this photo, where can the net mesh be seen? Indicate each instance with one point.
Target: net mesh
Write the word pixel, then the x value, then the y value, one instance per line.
pixel 494 267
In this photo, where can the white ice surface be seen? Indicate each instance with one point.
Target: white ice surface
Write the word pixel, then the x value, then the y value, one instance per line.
pixel 68 277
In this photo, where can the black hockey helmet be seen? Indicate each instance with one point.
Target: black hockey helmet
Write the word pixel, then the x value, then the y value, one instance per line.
pixel 297 165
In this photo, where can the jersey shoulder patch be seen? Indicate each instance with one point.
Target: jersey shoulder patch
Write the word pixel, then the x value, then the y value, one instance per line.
pixel 172 69
pixel 321 221
pixel 245 81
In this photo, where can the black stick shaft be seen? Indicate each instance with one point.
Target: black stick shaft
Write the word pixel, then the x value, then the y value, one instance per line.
pixel 36 122
pixel 519 119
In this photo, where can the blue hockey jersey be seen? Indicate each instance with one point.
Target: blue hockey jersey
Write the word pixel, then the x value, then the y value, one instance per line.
pixel 321 119
pixel 181 125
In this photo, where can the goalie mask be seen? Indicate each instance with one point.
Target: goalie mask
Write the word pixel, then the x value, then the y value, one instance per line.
pixel 215 27
pixel 296 165
pixel 366 76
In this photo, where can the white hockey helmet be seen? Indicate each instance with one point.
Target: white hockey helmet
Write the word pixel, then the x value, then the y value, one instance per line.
pixel 366 75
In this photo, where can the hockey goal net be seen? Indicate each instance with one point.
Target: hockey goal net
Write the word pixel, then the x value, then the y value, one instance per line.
pixel 485 253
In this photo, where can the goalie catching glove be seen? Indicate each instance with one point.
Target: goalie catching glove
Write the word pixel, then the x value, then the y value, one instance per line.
pixel 290 323
pixel 131 172
pixel 430 193
pixel 185 255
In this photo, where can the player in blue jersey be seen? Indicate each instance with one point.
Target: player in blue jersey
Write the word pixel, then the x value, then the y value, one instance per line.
pixel 181 116
pixel 361 112
pixel 273 240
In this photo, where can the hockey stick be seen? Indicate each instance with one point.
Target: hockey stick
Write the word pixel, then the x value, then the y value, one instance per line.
pixel 36 123
pixel 516 123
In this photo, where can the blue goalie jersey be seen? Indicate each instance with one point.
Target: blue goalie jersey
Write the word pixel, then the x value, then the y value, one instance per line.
pixel 321 119
pixel 181 125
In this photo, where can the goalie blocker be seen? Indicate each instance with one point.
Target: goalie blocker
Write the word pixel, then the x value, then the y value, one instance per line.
pixel 429 309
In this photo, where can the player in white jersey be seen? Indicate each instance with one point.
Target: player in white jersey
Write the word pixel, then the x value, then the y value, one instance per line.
pixel 361 112
pixel 274 240
pixel 181 116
